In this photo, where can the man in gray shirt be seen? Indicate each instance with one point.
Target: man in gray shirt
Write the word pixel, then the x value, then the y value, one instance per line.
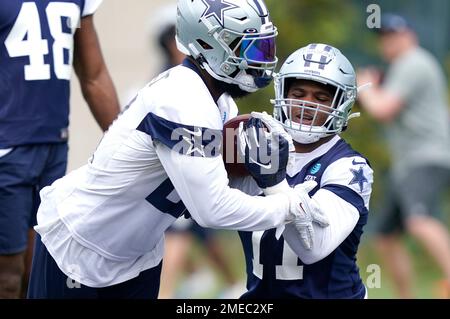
pixel 412 102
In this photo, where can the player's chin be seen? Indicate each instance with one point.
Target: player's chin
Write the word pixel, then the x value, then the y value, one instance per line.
pixel 303 122
pixel 233 90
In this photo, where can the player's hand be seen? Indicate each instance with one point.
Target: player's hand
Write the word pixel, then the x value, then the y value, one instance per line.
pixel 265 152
pixel 305 212
pixel 274 126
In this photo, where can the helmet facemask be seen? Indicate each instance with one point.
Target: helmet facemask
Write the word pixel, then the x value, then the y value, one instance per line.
pixel 315 65
pixel 253 60
pixel 250 59
pixel 307 121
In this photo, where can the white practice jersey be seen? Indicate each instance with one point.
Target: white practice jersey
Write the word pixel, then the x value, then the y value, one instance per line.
pixel 159 159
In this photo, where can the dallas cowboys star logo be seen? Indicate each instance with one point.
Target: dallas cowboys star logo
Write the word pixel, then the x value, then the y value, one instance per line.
pixel 358 178
pixel 216 8
pixel 194 146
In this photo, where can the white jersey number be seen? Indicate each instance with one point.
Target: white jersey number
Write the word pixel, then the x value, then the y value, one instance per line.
pixel 25 39
pixel 286 270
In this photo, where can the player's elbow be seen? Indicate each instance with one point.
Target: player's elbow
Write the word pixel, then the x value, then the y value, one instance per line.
pixel 213 221
pixel 90 87
pixel 312 256
pixel 207 220
pixel 214 217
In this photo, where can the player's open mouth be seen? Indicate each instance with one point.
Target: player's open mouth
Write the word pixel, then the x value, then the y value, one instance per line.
pixel 306 120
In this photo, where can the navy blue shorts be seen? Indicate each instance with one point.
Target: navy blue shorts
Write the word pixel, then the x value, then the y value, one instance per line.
pixel 23 173
pixel 49 282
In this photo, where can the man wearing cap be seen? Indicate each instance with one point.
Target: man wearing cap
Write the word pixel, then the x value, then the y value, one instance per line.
pixel 412 102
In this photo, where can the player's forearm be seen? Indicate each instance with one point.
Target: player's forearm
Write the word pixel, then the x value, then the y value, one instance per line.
pixel 101 97
pixel 95 81
pixel 202 185
pixel 232 209
pixel 342 217
pixel 245 184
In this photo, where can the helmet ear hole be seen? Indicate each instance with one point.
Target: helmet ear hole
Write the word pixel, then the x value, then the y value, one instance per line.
pixel 204 45
pixel 235 43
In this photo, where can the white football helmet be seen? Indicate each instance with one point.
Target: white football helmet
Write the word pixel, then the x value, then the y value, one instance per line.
pixel 324 64
pixel 233 40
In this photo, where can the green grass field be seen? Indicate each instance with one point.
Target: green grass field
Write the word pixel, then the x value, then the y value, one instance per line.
pixel 426 273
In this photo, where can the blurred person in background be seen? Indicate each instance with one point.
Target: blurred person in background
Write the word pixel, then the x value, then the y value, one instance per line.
pixel 185 232
pixel 411 101
pixel 163 30
pixel 38 41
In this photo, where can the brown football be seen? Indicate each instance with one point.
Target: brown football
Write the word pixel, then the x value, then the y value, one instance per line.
pixel 233 164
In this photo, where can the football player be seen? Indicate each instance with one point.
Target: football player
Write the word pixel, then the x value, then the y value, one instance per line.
pixel 315 90
pixel 102 226
pixel 38 41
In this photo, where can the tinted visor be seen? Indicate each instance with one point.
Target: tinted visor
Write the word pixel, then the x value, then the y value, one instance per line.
pixel 258 50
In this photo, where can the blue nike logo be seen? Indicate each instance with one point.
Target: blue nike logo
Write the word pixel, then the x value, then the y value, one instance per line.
pixel 358 163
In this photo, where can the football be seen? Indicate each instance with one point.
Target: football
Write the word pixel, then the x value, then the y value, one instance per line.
pixel 233 163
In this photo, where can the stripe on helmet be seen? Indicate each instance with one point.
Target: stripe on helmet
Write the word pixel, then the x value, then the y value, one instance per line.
pixel 323 59
pixel 308 60
pixel 262 10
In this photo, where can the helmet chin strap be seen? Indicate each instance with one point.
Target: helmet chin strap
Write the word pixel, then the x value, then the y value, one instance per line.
pixel 301 136
pixel 246 82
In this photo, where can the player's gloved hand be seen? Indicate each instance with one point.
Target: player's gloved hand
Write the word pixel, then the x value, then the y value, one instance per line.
pixel 305 211
pixel 274 126
pixel 265 149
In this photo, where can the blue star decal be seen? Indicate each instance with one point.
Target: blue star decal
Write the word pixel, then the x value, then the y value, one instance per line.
pixel 358 178
pixel 216 8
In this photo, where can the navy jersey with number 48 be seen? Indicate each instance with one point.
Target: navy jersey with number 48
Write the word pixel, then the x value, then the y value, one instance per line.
pixel 273 268
pixel 36 52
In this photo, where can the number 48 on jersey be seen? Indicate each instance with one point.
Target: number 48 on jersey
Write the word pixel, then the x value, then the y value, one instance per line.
pixel 25 39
